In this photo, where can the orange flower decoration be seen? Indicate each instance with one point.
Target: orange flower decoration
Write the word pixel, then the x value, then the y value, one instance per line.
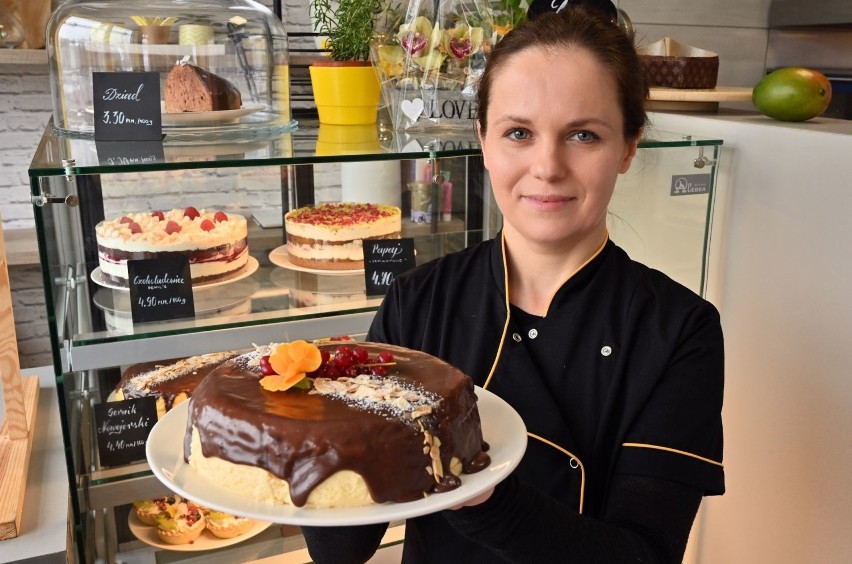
pixel 291 362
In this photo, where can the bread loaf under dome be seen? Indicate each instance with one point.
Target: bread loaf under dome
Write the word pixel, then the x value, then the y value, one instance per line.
pixel 192 89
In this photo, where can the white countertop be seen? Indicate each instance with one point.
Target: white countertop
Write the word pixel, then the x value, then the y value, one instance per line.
pixel 662 119
pixel 44 522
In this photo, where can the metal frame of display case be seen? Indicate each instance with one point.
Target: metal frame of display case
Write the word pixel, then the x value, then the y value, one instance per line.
pixel 83 351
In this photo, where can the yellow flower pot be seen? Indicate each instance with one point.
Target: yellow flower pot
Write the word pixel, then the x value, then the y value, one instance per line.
pixel 345 92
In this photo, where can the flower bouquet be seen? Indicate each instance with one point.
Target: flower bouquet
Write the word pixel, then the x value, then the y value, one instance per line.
pixel 430 61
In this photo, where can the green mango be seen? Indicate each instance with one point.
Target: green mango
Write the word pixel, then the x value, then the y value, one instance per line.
pixel 792 94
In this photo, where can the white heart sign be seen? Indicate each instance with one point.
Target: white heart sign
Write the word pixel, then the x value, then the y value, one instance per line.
pixel 412 146
pixel 412 108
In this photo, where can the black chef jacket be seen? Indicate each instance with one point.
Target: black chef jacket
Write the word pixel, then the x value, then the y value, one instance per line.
pixel 623 375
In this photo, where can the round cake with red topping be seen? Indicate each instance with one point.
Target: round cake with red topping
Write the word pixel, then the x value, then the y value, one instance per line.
pixel 329 236
pixel 215 242
pixel 335 425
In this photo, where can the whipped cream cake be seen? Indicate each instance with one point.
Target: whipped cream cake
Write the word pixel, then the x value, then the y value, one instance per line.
pixel 215 242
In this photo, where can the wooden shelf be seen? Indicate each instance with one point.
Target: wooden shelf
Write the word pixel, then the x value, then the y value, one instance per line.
pixel 23 57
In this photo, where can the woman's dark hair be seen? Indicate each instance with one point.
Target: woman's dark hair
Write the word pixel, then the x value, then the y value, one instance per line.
pixel 581 27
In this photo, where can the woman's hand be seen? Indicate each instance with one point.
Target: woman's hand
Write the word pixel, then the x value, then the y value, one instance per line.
pixel 481 498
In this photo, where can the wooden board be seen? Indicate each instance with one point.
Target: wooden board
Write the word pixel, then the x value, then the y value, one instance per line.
pixel 14 463
pixel 20 399
pixel 695 99
pixel 718 94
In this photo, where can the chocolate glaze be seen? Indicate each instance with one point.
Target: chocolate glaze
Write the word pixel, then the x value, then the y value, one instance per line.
pixel 305 438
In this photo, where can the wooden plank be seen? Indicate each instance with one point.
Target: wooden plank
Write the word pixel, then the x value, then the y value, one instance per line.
pixel 23 57
pixel 10 368
pixel 20 398
pixel 718 94
pixel 14 463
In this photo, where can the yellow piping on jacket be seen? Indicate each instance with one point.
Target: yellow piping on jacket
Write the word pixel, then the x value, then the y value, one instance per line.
pixel 503 340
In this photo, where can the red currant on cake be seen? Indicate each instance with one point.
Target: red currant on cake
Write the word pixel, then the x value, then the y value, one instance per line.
pixel 265 367
pixel 190 212
pixel 361 355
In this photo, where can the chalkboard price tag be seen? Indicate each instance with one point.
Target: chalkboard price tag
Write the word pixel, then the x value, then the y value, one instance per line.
pixel 384 260
pixel 122 429
pixel 160 289
pixel 126 106
pixel 124 153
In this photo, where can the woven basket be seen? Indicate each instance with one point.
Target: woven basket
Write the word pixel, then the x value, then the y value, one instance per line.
pixel 671 64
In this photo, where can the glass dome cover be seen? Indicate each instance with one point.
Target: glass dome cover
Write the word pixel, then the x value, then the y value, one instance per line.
pixel 240 41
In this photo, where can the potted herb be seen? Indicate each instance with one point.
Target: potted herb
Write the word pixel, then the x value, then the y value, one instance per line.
pixel 346 86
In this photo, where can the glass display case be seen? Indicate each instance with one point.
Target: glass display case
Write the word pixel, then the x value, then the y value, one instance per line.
pixel 661 214
pixel 239 41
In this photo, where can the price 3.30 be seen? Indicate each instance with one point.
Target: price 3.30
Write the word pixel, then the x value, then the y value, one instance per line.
pixel 117 117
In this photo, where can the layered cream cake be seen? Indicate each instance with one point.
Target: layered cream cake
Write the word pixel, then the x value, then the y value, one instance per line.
pixel 329 236
pixel 215 242
pixel 362 423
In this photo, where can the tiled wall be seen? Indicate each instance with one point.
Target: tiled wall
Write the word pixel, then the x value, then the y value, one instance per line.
pixel 734 29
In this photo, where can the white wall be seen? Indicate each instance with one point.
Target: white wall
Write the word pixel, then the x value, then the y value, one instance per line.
pixel 782 268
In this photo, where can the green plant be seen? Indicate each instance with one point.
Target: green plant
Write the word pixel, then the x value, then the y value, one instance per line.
pixel 348 25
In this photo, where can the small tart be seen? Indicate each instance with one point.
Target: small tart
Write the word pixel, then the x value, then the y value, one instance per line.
pixel 180 524
pixel 148 509
pixel 227 526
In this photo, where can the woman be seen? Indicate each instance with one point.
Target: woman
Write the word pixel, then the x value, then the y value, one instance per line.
pixel 616 369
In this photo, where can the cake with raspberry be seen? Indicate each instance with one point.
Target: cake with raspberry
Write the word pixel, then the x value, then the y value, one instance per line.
pixel 192 89
pixel 171 381
pixel 335 424
pixel 215 242
pixel 329 236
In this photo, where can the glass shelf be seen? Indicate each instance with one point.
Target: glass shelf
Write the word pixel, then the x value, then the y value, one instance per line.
pixel 311 142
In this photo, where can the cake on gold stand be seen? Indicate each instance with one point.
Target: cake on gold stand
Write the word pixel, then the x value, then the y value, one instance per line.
pixel 21 400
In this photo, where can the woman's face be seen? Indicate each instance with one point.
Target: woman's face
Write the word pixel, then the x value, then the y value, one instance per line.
pixel 554 146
